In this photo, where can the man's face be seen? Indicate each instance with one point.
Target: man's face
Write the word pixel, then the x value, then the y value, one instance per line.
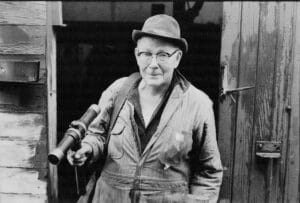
pixel 157 61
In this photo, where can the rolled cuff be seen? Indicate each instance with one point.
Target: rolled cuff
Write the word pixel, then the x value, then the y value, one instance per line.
pixel 97 147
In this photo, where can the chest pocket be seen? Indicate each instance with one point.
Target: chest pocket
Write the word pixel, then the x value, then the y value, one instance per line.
pixel 115 146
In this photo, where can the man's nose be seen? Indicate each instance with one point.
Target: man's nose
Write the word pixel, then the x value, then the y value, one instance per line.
pixel 153 62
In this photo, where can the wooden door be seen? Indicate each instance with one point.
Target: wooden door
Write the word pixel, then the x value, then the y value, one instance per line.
pixel 260 53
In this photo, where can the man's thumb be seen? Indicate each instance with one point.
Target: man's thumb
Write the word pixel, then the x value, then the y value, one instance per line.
pixel 79 153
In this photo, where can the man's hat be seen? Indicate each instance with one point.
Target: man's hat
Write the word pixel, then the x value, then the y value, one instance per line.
pixel 162 26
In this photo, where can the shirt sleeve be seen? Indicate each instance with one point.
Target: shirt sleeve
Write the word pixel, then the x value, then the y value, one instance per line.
pixel 97 131
pixel 207 172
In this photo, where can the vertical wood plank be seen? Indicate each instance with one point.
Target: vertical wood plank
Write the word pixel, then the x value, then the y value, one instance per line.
pixel 245 109
pixel 261 169
pixel 52 105
pixel 229 59
pixel 292 165
pixel 56 13
pixel 282 96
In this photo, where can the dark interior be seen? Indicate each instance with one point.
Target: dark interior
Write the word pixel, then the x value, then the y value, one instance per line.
pixel 90 56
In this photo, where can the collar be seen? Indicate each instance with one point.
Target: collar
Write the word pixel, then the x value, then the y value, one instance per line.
pixel 181 81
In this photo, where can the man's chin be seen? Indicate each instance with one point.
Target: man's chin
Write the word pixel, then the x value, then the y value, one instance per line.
pixel 154 82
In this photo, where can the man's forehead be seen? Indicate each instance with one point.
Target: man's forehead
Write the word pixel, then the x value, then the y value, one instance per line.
pixel 152 42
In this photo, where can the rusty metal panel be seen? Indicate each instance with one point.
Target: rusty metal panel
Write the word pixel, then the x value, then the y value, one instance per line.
pixel 19 71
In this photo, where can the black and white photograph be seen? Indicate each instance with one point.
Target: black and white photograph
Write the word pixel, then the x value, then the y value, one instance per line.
pixel 162 101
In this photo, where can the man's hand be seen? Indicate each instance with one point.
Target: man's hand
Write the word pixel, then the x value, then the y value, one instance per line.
pixel 79 157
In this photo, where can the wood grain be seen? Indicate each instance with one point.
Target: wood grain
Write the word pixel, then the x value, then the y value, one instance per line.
pixel 52 95
pixel 282 97
pixel 23 12
pixel 292 154
pixel 22 126
pixel 229 59
pixel 245 101
pixel 18 180
pixel 22 39
pixel 24 198
pixel 25 154
pixel 269 59
pixel 264 104
pixel 23 97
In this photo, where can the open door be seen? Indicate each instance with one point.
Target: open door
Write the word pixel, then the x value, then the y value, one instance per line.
pixel 93 54
pixel 259 104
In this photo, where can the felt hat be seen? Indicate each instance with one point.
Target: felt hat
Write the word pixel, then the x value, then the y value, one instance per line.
pixel 164 27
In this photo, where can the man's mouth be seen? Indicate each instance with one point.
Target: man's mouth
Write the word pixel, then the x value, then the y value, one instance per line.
pixel 153 74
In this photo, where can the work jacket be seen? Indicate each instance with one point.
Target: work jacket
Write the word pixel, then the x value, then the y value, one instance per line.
pixel 181 162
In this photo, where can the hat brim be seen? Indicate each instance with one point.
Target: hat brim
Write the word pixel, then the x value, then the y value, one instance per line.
pixel 182 43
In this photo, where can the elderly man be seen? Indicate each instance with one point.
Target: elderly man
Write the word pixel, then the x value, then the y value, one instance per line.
pixel 163 145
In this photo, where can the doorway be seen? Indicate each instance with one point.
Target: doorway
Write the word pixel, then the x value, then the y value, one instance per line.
pixel 91 55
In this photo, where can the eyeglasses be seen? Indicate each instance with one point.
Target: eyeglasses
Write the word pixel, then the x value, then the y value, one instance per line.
pixel 146 57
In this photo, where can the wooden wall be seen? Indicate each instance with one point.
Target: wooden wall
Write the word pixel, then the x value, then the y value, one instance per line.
pixel 260 48
pixel 23 105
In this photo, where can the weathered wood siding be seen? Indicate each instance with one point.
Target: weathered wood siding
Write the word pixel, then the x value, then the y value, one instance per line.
pixel 23 106
pixel 23 13
pixel 260 48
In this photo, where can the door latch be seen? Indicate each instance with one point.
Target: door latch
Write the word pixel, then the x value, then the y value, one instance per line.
pixel 268 149
pixel 224 85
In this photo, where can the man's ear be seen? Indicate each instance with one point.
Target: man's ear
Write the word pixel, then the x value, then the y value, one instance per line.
pixel 178 57
pixel 136 52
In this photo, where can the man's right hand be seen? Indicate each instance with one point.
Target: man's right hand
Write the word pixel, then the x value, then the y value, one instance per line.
pixel 79 157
